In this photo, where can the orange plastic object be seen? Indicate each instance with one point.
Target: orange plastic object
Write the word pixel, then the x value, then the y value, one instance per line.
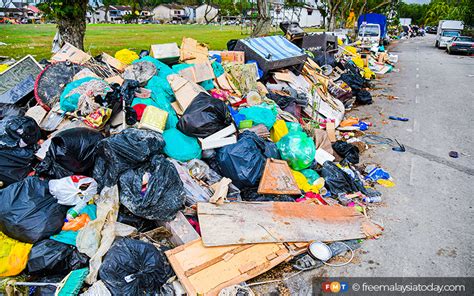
pixel 77 223
pixel 350 121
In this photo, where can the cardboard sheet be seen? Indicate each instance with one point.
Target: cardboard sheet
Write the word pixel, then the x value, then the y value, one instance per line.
pixel 206 271
pixel 70 53
pixel 263 222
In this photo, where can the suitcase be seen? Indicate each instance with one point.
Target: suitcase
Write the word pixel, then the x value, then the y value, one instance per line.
pixel 272 52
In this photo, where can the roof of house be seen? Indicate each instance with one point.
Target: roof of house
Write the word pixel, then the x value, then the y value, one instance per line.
pixel 172 6
pixel 120 7
pixel 33 8
pixel 18 4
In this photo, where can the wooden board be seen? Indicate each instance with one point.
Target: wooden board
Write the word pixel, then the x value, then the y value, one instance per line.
pixel 206 271
pixel 278 179
pixel 263 222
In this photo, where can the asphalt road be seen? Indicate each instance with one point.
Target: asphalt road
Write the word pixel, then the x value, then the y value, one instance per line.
pixel 428 216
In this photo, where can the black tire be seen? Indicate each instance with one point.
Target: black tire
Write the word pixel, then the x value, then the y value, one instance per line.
pixel 437 44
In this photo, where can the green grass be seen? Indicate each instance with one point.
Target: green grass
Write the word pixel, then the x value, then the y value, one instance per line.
pixel 36 39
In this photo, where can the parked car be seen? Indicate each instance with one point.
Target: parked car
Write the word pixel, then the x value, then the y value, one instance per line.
pixel 460 44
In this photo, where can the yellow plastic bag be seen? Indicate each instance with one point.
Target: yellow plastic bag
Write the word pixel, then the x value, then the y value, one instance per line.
pixel 278 131
pixel 13 255
pixel 303 184
pixel 358 61
pixel 368 74
pixel 126 56
pixel 351 49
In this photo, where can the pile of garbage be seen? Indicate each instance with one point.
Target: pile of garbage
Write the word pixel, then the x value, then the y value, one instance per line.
pixel 183 170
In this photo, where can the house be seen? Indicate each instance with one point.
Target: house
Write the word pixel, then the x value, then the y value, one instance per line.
pixel 306 15
pixel 12 10
pixel 21 12
pixel 171 12
pixel 33 14
pixel 115 14
pixel 212 12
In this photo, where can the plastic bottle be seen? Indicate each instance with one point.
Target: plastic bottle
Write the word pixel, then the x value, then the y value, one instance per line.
pixel 372 199
pixel 74 211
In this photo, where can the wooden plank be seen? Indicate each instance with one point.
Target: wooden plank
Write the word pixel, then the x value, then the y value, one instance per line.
pixel 277 179
pixel 223 266
pixel 263 222
pixel 331 130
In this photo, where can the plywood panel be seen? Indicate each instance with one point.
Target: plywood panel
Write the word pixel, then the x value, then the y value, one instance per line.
pixel 263 222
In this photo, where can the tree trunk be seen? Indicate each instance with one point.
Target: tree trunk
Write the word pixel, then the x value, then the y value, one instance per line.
pixel 106 16
pixel 72 30
pixel 263 25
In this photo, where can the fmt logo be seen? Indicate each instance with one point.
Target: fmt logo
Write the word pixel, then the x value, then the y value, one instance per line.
pixel 335 287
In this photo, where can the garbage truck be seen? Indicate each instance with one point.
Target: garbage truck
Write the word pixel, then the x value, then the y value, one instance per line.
pixel 447 29
pixel 372 29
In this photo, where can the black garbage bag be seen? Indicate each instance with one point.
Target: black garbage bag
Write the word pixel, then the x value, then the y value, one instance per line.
pixel 15 164
pixel 354 81
pixel 18 131
pixel 28 212
pixel 271 150
pixel 133 267
pixel 141 224
pixel 363 97
pixel 52 257
pixel 72 151
pixel 204 116
pixel 129 86
pixel 347 151
pixel 281 100
pixel 163 196
pixel 336 180
pixel 244 161
pixel 46 290
pixel 251 194
pixel 126 150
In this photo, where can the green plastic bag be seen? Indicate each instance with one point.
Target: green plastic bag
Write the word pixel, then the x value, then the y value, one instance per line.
pixel 217 68
pixel 294 127
pixel 311 175
pixel 259 115
pixel 180 146
pixel 160 88
pixel 297 149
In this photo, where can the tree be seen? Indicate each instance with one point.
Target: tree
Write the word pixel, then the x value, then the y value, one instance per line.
pixel 207 17
pixel 323 10
pixel 70 16
pixel 107 4
pixel 263 19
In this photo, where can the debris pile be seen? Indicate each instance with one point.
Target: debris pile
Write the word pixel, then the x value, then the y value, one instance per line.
pixel 119 173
